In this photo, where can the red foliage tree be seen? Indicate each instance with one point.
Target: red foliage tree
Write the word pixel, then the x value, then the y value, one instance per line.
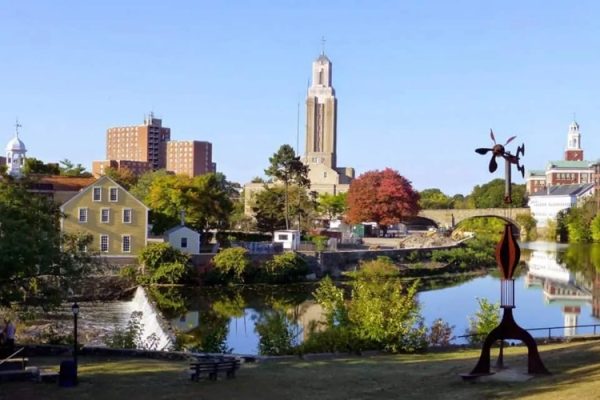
pixel 381 196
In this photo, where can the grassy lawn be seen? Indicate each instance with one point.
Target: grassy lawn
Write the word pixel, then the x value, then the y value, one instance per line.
pixel 575 367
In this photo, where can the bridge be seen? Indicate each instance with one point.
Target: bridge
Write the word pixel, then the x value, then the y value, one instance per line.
pixel 452 217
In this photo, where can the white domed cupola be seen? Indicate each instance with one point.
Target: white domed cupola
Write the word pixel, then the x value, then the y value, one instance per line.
pixel 15 154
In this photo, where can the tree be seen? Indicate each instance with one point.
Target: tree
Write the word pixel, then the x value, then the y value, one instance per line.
pixel 142 187
pixel 38 264
pixel 491 195
pixel 528 226
pixel 203 199
pixel 67 168
pixel 384 197
pixel 270 208
pixel 486 319
pixel 232 263
pixel 595 228
pixel 122 176
pixel 35 166
pixel 287 168
pixel 434 199
pixel 332 205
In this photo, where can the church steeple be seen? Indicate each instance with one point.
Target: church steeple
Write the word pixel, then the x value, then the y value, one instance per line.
pixel 321 115
pixel 574 152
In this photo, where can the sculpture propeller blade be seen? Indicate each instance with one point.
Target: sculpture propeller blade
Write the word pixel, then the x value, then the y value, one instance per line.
pixel 492 136
pixel 509 140
pixel 482 150
pixel 493 164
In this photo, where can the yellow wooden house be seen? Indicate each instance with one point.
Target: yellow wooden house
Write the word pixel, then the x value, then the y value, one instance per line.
pixel 117 221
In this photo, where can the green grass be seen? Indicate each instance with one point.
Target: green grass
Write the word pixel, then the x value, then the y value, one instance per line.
pixel 575 368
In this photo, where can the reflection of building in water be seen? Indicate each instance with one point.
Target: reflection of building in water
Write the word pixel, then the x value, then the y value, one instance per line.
pixel 560 286
pixel 186 322
pixel 310 313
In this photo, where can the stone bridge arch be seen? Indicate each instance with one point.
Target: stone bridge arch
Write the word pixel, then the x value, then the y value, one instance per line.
pixel 451 217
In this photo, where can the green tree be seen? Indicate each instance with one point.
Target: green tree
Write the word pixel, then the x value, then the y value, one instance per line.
pixel 528 226
pixel 162 263
pixel 577 226
pixel 287 168
pixel 332 205
pixel 67 168
pixel 595 228
pixel 232 263
pixel 432 199
pixel 38 264
pixel 204 199
pixel 491 195
pixel 269 208
pixel 276 333
pixel 141 188
pixel 34 166
pixel 485 319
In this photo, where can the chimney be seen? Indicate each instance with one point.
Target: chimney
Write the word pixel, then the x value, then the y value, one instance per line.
pixel 182 215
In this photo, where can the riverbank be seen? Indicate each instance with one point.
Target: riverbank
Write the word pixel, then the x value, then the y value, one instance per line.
pixel 574 367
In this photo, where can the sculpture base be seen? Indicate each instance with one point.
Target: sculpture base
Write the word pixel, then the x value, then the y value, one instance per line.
pixel 508 329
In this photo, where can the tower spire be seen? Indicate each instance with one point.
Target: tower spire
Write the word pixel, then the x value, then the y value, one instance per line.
pixel 323 45
pixel 17 126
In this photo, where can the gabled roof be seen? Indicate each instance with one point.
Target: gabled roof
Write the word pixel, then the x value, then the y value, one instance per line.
pixel 565 190
pixel 99 182
pixel 62 183
pixel 178 227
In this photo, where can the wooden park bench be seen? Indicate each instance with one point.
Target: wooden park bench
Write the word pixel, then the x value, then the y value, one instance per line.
pixel 212 366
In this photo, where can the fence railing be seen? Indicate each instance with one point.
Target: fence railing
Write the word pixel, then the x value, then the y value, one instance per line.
pixel 596 328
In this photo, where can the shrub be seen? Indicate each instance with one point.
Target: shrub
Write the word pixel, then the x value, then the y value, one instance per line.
pixel 440 333
pixel 276 333
pixel 232 263
pixel 381 267
pixel 285 267
pixel 320 242
pixel 162 264
pixel 169 273
pixel 486 319
pixel 131 337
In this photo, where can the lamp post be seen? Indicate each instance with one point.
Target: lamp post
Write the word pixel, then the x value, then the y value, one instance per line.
pixel 75 309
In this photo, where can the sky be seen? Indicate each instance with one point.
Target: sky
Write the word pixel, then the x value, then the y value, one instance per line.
pixel 419 83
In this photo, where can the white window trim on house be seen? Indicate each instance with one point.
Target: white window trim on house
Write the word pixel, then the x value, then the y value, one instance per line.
pixel 102 210
pixel 110 193
pixel 99 188
pixel 130 215
pixel 123 243
pixel 79 215
pixel 107 243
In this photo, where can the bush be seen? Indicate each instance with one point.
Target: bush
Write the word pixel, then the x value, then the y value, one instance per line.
pixel 440 333
pixel 381 267
pixel 486 319
pixel 169 273
pixel 276 333
pixel 284 268
pixel 232 263
pixel 320 242
pixel 162 264
pixel 131 337
pixel 477 252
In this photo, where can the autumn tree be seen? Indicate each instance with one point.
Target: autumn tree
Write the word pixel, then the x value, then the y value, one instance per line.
pixel 286 167
pixel 123 176
pixel 384 197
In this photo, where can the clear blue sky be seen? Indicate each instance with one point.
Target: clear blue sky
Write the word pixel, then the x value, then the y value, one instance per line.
pixel 419 84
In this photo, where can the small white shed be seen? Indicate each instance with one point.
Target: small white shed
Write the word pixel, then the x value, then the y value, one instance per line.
pixel 184 239
pixel 289 238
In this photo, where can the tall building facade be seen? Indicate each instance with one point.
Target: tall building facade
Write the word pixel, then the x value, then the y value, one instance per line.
pixel 190 158
pixel 144 142
pixel 321 132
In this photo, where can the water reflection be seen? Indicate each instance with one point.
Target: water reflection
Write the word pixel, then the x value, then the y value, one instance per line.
pixel 557 286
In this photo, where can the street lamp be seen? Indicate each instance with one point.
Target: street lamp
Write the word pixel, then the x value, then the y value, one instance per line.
pixel 75 309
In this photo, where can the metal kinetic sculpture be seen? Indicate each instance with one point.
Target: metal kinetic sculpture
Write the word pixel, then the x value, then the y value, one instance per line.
pixel 508 254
